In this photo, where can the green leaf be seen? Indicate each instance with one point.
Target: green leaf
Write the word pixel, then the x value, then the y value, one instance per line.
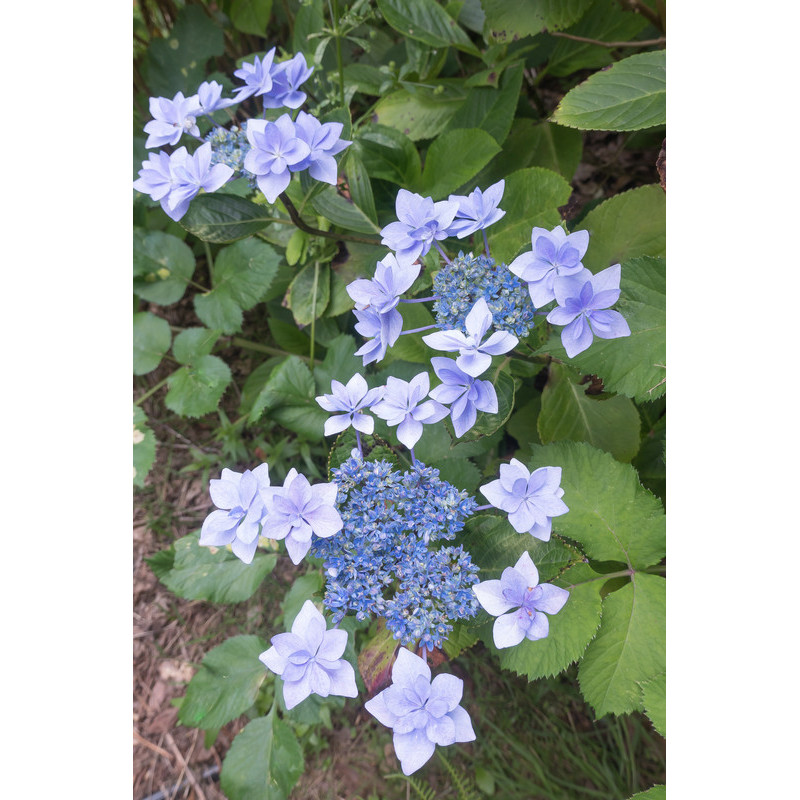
pixel 550 146
pixel 571 630
pixel 388 154
pixel 609 422
pixel 491 109
pixel 461 472
pixel 224 218
pixel 633 365
pixel 251 16
pixel 210 573
pixel 627 97
pixel 242 274
pixel 421 115
pixel 192 344
pixel 339 363
pixel 522 424
pixel 627 225
pixel 225 685
pixel 610 514
pixel 304 588
pixel 376 659
pixel 366 78
pixel 605 21
pixel 340 301
pixel 144 447
pixel 427 22
pixel 196 390
pixel 509 20
pixel 486 424
pixel 650 462
pixel 459 639
pixel 443 174
pixel 360 186
pixel 151 340
pixel 264 762
pixel 630 646
pixel 162 266
pixel 177 62
pixel 309 293
pixel 340 211
pixel 653 793
pixel 494 545
pixel 654 700
pixel 532 197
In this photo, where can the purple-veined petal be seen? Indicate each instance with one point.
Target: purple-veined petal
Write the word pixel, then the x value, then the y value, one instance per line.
pixel 609 324
pixel 539 627
pixel 577 336
pixel 295 692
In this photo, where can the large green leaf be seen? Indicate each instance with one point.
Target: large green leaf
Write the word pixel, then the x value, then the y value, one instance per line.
pixel 225 685
pixel 339 363
pixel 251 16
pixel 223 217
pixel 192 344
pixel 196 390
pixel 427 22
pixel 330 204
pixel 360 187
pixel 264 761
pixel 443 174
pixel 509 20
pixel 309 293
pixel 610 514
pixel 571 630
pixel 630 647
pixel 633 365
pixel 144 447
pixel 209 573
pixel 654 700
pixel 491 109
pixel 629 224
pixel 532 197
pixel 421 115
pixel 242 275
pixel 627 97
pixel 388 154
pixel 610 422
pixel 162 266
pixel 151 340
pixel 653 793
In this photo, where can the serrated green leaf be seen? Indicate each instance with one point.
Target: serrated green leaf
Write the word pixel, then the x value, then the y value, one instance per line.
pixel 223 218
pixel 421 115
pixel 388 154
pixel 366 78
pixel 242 275
pixel 630 646
pixel 290 383
pixel 210 573
pixel 605 21
pixel 340 211
pixel 509 20
pixel 340 302
pixel 571 630
pixel 144 447
pixel 289 337
pixel 461 472
pixel 339 363
pixel 264 762
pixel 192 344
pixel 522 424
pixel 609 422
pixel 633 365
pixel 650 462
pixel 654 700
pixel 304 588
pixel 625 226
pixel 225 685
pixel 532 197
pixel 494 545
pixel 310 292
pixel 653 793
pixel 629 96
pixel 151 340
pixel 610 514
pixel 251 16
pixel 491 109
pixel 427 22
pixel 461 638
pixel 360 186
pixel 196 390
pixel 162 264
pixel 443 174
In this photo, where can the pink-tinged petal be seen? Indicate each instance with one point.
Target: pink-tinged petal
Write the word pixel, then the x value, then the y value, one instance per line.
pixel 409 431
pixel 498 343
pixel 549 598
pixel 464 731
pixel 448 688
pixel 577 336
pixel 490 596
pixel 243 551
pixel 296 548
pixel 309 625
pixel 414 750
pixel 538 628
pixel 506 632
pixel 377 707
pixel 449 341
pixel 441 731
pixel 295 692
pixel 609 324
pixel 333 644
pixel 337 424
pixel 527 569
pixel 408 667
pixel 343 680
pixel 273 660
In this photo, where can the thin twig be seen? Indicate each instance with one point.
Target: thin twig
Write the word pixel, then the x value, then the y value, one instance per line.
pixel 640 8
pixel 642 43
pixel 189 774
pixel 304 226
pixel 147 743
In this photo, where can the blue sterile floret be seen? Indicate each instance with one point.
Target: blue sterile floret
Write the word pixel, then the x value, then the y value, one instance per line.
pixel 462 283
pixel 381 562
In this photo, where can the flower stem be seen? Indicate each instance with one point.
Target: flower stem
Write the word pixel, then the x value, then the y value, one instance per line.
pixel 313 313
pixel 484 508
pixel 418 330
pixel 420 299
pixel 358 442
pixel 152 390
pixel 337 34
pixel 442 252
pixel 210 262
pixel 298 221
pixel 485 242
